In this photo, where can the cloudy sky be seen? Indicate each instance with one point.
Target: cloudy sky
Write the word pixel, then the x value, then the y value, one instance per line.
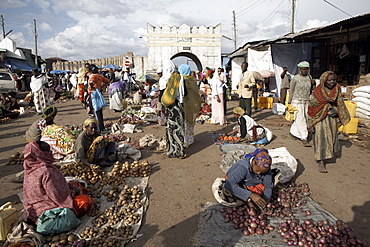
pixel 89 29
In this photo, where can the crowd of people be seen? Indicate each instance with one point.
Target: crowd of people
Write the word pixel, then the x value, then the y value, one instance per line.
pixel 178 97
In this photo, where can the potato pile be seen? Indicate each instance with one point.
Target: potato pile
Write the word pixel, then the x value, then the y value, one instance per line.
pixel 130 197
pixel 112 194
pixel 101 241
pixel 114 215
pixel 89 232
pixel 135 169
pixel 83 172
pixel 125 231
pixel 4 120
pixel 15 159
pixel 62 239
pixel 100 220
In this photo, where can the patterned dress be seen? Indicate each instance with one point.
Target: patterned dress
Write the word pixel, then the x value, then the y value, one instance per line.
pixel 41 97
pixel 174 130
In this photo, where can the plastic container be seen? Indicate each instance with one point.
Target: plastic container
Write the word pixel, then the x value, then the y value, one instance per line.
pixel 351 127
pixel 351 106
pixel 137 98
pixel 8 217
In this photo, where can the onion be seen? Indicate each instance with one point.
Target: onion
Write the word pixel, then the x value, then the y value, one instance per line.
pixel 236 226
pixel 270 228
pixel 259 231
pixel 222 210
pixel 246 233
pixel 308 222
pixel 253 224
pixel 307 212
pixel 226 220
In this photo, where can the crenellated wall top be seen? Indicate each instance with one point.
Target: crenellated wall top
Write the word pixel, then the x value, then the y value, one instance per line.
pixel 183 29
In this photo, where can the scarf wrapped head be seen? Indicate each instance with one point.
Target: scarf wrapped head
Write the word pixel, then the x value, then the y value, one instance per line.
pixel 34 157
pixel 168 69
pixel 322 99
pixel 303 64
pixel 89 121
pixel 49 111
pixel 238 110
pixel 184 69
pixel 262 158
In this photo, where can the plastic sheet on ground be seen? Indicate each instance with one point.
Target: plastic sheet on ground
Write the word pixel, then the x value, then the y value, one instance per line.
pixel 213 231
pixel 142 183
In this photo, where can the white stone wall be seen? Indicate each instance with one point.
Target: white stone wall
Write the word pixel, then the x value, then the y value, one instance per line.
pixel 165 42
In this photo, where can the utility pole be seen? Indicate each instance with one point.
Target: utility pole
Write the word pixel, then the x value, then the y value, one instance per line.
pixel 234 26
pixel 293 15
pixel 3 25
pixel 35 32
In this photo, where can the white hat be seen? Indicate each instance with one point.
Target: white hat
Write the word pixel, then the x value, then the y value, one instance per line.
pixel 159 70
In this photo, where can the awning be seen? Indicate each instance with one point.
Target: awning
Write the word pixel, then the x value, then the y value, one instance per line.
pixel 16 64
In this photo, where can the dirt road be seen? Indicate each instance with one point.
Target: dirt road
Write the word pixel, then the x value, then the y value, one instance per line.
pixel 178 188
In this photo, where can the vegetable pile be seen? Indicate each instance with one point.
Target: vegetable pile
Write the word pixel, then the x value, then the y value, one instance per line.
pixel 15 159
pixel 222 139
pixel 287 201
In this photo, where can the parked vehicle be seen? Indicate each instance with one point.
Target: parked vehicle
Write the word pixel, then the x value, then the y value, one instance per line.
pixel 7 81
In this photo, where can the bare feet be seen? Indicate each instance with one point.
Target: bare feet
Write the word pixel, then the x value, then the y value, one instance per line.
pixel 322 167
pixel 305 143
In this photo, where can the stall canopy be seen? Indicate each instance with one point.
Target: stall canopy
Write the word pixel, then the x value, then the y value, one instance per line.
pixel 16 64
pixel 112 66
pixel 58 71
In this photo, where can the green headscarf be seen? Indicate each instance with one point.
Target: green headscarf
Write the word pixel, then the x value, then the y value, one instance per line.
pixel 49 111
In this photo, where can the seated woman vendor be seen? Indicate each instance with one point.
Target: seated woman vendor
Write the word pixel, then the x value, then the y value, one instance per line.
pixel 247 129
pixel 47 118
pixel 91 148
pixel 250 179
pixel 44 185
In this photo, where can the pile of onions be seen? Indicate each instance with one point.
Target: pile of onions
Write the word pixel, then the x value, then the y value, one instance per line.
pixel 320 234
pixel 285 197
pixel 248 219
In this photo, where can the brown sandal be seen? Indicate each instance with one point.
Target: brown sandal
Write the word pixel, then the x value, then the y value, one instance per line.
pixel 322 167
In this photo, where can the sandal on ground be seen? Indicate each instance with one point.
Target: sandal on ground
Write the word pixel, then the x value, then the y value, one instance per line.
pixel 305 143
pixel 183 157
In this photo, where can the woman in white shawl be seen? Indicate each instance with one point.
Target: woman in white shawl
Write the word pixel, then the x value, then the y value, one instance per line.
pixel 39 91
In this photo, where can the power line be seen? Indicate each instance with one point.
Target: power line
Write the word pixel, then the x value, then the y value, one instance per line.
pixel 250 8
pixel 267 18
pixel 337 8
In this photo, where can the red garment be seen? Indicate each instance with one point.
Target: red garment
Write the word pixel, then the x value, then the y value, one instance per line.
pixel 44 185
pixel 81 92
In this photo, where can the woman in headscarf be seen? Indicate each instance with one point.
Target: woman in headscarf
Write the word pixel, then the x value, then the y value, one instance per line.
pixel 92 148
pixel 326 112
pixel 249 179
pixel 44 185
pixel 96 82
pixel 173 99
pixel 299 96
pixel 247 129
pixel 192 104
pixel 47 118
pixel 218 113
pixel 115 92
pixel 39 90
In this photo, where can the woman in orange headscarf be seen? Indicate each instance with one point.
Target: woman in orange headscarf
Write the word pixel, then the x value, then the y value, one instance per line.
pixel 326 112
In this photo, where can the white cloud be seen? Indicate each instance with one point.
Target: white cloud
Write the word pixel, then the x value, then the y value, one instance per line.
pixel 315 23
pixel 12 4
pixel 20 40
pixel 45 27
pixel 43 4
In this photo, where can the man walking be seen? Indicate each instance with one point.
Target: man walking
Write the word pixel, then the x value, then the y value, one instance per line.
pixel 285 84
pixel 245 89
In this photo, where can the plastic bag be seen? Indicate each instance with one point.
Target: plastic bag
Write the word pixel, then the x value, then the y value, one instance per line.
pixel 98 100
pixel 57 220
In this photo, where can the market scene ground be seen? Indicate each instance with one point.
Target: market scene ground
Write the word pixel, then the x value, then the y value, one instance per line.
pixel 178 189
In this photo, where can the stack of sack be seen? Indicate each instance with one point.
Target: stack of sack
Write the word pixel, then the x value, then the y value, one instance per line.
pixel 362 98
